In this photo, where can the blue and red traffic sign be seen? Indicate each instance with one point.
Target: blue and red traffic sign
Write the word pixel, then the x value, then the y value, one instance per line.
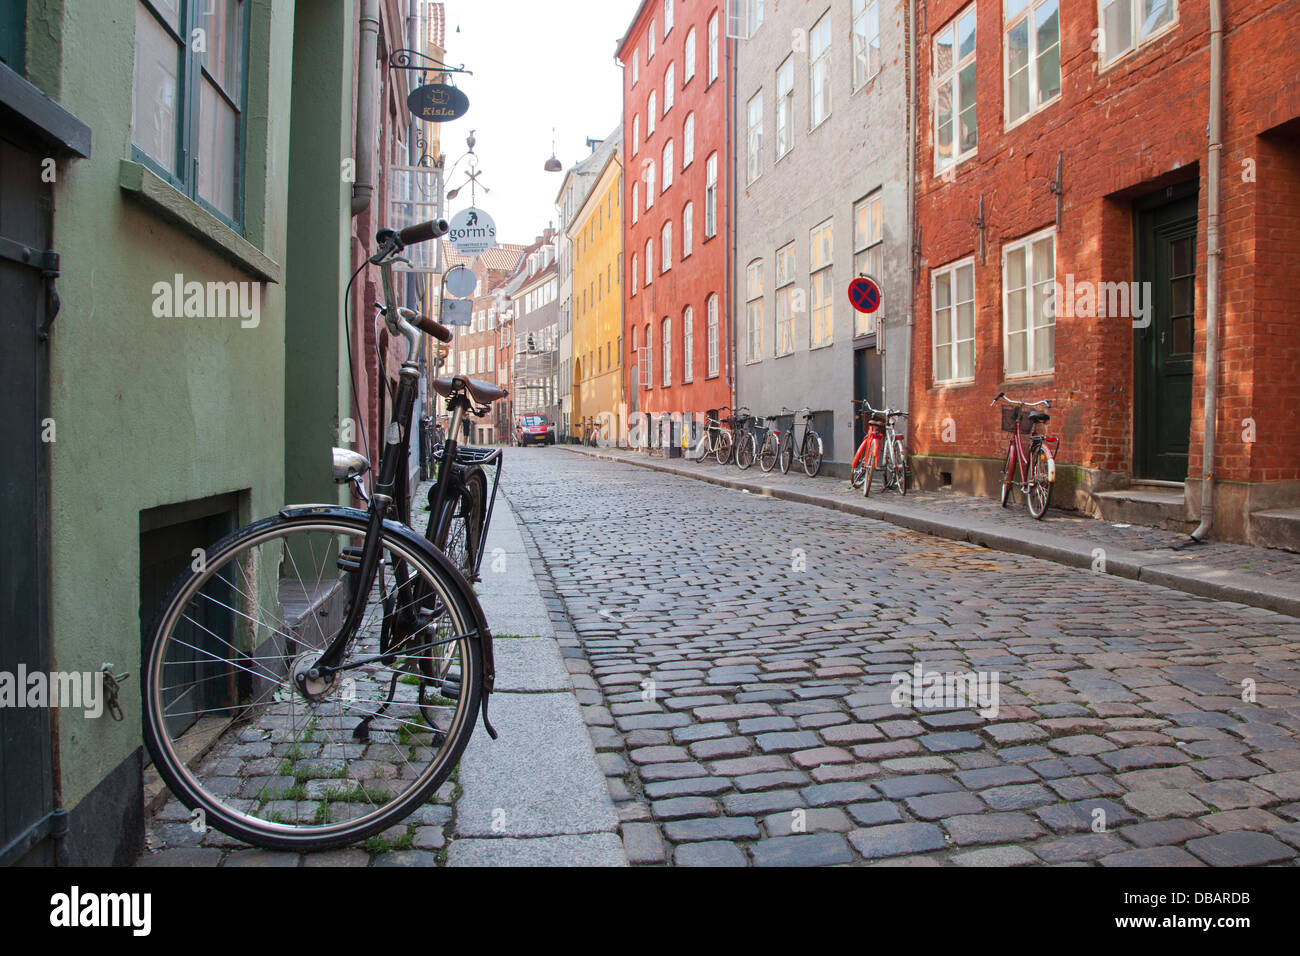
pixel 864 294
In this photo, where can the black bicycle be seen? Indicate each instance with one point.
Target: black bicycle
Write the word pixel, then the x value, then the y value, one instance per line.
pixel 810 448
pixel 315 676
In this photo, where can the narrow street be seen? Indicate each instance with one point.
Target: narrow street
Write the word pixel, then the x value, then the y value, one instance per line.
pixel 735 657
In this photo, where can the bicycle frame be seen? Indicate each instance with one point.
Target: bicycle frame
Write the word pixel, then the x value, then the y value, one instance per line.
pixel 1019 450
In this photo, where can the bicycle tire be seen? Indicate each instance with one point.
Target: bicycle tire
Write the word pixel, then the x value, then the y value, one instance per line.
pixel 858 467
pixel 723 446
pixel 459 531
pixel 811 453
pixel 1039 495
pixel 334 793
pixel 786 455
pixel 768 454
pixel 904 469
pixel 869 469
pixel 745 452
pixel 1007 468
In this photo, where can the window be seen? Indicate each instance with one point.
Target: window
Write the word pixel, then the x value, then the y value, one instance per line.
pixel 668 166
pixel 713 334
pixel 688 140
pixel 634 273
pixel 952 301
pixel 754 311
pixel 647 351
pixel 649 261
pixel 688 69
pixel 955 135
pixel 868 251
pixel 188 105
pixel 1126 24
pixel 785 293
pixel 668 17
pixel 713 47
pixel 819 275
pixel 711 196
pixel 650 116
pixel 1032 57
pixel 866 41
pixel 650 52
pixel 666 246
pixel 1028 309
pixel 785 107
pixel 688 344
pixel 636 201
pixel 754 137
pixel 669 86
pixel 636 133
pixel 688 228
pixel 819 71
pixel 666 344
pixel 636 66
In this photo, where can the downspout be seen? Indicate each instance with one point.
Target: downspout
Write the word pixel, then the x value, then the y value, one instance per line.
pixel 367 84
pixel 733 44
pixel 1213 261
pixel 911 201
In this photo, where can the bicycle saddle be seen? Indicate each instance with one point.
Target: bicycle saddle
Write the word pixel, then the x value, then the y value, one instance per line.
pixel 482 392
pixel 1039 417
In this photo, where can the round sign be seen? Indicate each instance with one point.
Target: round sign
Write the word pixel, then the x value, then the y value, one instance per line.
pixel 472 232
pixel 864 294
pixel 460 281
pixel 437 103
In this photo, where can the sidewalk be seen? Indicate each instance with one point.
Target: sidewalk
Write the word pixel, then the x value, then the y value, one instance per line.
pixel 1259 577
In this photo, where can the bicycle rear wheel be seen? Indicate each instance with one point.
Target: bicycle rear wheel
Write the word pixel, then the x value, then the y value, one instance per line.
pixel 1008 467
pixel 1040 482
pixel 723 446
pixel 745 452
pixel 811 453
pixel 459 532
pixel 768 454
pixel 335 759
pixel 869 468
pixel 786 454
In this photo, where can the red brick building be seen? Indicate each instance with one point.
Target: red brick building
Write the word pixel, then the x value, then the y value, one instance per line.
pixel 676 227
pixel 1100 302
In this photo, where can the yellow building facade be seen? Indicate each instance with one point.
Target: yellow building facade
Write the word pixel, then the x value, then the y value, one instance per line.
pixel 597 237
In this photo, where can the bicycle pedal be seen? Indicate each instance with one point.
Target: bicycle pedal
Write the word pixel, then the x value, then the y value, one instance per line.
pixel 349 559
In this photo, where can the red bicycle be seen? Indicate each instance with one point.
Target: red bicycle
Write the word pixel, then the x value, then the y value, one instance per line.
pixel 881 448
pixel 1031 455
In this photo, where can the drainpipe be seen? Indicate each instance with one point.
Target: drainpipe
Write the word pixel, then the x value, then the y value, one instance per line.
pixel 732 206
pixel 367 84
pixel 911 199
pixel 1213 262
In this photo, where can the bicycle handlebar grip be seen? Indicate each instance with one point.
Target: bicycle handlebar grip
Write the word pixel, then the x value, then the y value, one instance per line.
pixel 430 327
pixel 423 232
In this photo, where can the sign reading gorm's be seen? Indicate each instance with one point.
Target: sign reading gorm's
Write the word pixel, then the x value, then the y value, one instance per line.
pixel 472 232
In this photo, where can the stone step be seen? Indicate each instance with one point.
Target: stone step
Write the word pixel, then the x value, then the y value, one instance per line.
pixel 1276 528
pixel 1151 505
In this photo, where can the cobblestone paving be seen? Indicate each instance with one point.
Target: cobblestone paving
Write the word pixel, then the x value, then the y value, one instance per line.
pixel 735 657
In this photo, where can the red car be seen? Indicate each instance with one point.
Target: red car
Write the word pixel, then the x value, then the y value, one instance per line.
pixel 534 430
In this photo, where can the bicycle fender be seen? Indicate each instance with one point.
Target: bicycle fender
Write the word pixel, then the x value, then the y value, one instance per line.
pixel 421 544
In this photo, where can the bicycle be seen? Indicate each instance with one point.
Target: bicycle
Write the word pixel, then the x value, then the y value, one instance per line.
pixel 810 449
pixel 882 447
pixel 1036 465
pixel 592 435
pixel 333 659
pixel 769 450
pixel 732 430
pixel 746 440
pixel 715 441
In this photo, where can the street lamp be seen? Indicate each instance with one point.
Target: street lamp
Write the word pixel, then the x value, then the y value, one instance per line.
pixel 553 165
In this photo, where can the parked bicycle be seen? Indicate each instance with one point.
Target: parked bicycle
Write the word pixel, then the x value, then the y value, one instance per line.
pixel 810 447
pixel 1030 454
pixel 749 434
pixel 338 658
pixel 882 447
pixel 716 439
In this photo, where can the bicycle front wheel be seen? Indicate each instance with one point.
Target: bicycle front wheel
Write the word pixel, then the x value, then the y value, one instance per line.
pixel 786 455
pixel 768 454
pixel 322 763
pixel 1008 467
pixel 459 531
pixel 811 453
pixel 1040 482
pixel 722 448
pixel 869 469
pixel 745 453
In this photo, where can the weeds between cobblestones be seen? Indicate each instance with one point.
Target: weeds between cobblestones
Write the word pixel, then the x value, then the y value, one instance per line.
pixel 734 657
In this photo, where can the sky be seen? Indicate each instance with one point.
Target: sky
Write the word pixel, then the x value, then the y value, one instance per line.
pixel 537 64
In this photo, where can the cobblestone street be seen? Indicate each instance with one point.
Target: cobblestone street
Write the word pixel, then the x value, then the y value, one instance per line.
pixel 735 657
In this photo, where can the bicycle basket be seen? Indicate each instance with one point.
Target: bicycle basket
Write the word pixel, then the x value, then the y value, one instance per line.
pixel 1013 413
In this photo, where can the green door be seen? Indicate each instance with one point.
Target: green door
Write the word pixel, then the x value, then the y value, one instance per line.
pixel 1165 338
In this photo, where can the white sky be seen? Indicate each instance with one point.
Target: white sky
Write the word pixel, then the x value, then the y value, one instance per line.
pixel 536 64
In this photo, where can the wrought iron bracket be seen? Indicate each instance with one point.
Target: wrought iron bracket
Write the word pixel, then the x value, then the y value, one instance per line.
pixel 1057 185
pixel 407 60
pixel 980 224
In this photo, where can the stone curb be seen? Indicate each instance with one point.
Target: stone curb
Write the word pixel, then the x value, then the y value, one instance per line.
pixel 1190 578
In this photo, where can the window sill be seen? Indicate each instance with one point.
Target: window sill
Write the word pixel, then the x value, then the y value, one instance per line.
pixel 163 199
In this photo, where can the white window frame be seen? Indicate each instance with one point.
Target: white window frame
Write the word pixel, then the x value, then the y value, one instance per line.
pixel 668 17
pixel 953 75
pixel 713 47
pixel 636 134
pixel 712 333
pixel 651 104
pixel 819 64
pixel 1037 295
pixel 688 345
pixel 866 24
pixel 948 274
pixel 666 346
pixel 650 52
pixel 821 308
pixel 649 184
pixel 636 66
pixel 868 248
pixel 666 247
pixel 688 53
pixel 1031 67
pixel 670 86
pixel 754 137
pixel 785 107
pixel 667 158
pixel 783 327
pixel 711 196
pixel 635 273
pixel 688 140
pixel 1135 25
pixel 754 312
pixel 636 199
pixel 688 229
pixel 649 260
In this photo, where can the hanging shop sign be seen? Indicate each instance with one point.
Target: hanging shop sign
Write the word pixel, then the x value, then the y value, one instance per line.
pixel 472 232
pixel 437 103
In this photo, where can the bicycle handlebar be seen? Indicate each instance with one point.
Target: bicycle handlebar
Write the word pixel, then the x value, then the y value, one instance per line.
pixel 423 231
pixel 1002 396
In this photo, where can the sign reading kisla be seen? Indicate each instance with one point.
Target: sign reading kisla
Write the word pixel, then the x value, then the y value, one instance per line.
pixel 472 232
pixel 437 103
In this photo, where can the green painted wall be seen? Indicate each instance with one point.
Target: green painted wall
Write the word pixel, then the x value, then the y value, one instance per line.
pixel 318 389
pixel 149 411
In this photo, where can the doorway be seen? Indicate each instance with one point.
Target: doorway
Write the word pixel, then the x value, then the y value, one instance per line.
pixel 868 384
